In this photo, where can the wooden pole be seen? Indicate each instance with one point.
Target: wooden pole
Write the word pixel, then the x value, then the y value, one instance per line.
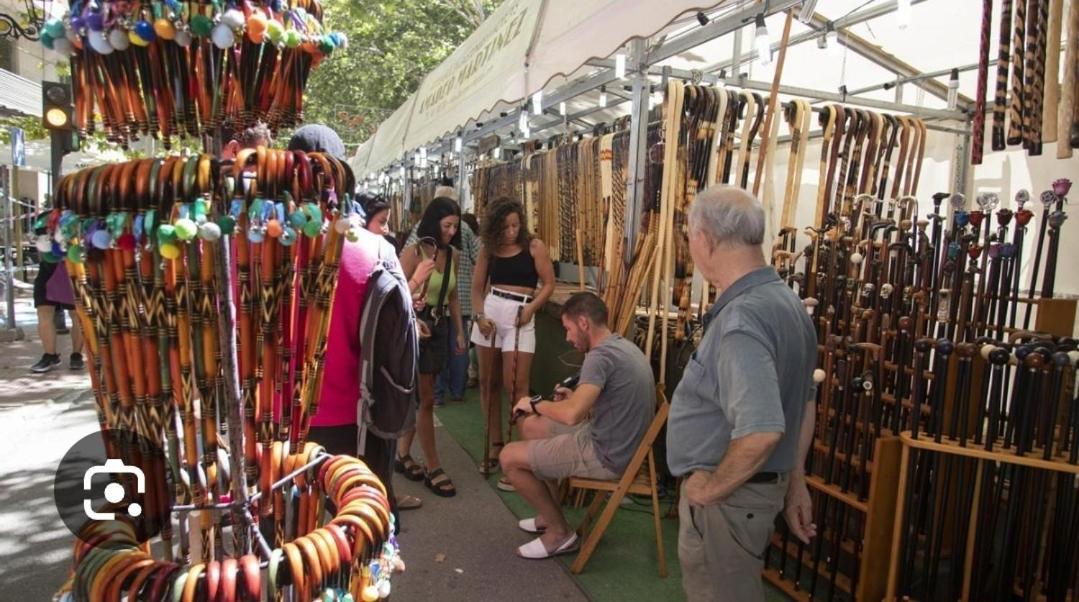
pixel 773 99
pixel 1052 71
pixel 897 529
pixel 972 530
pixel 673 115
pixel 580 258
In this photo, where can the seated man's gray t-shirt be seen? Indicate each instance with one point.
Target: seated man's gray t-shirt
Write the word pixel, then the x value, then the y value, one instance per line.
pixel 626 403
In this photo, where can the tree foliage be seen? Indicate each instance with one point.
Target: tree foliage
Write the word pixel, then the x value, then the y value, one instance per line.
pixel 32 127
pixel 393 44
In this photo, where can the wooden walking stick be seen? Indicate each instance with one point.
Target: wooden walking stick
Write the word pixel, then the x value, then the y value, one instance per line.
pixel 754 128
pixel 725 158
pixel 1032 131
pixel 666 266
pixel 767 196
pixel 1052 71
pixel 1048 199
pixel 828 122
pixel 773 101
pixel 715 161
pixel 871 155
pixel 672 121
pixel 513 377
pixel 1015 115
pixel 1000 100
pixel 1066 108
pixel 978 129
pixel 798 118
pixel 745 148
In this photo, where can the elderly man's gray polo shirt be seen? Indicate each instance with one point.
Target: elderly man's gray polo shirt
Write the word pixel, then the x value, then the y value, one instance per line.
pixel 752 373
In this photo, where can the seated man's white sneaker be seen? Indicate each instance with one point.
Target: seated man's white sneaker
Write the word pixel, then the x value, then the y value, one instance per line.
pixel 528 525
pixel 535 550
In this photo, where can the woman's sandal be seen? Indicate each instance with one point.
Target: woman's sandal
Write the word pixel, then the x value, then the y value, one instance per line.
pixel 490 465
pixel 442 487
pixel 408 467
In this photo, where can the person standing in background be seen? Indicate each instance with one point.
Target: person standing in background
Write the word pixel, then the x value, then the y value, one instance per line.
pixel 336 425
pixel 53 295
pixel 429 266
pixel 454 377
pixel 252 137
pixel 473 372
pixel 514 277
pixel 377 211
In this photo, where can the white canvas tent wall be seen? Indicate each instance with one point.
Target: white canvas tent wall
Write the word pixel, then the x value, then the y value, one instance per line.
pixel 941 34
pixel 518 50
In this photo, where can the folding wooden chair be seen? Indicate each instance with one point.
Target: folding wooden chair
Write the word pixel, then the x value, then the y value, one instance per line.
pixel 635 480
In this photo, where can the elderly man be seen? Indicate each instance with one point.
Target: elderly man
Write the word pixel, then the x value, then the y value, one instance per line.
pixel 617 388
pixel 742 416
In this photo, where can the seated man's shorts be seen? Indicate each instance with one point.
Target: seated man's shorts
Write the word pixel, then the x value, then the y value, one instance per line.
pixel 568 452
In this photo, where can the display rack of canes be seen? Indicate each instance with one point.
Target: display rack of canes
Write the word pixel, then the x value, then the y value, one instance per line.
pixel 989 501
pixel 999 476
pixel 206 290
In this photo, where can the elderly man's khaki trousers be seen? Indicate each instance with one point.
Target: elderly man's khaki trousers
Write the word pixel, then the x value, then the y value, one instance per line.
pixel 721 546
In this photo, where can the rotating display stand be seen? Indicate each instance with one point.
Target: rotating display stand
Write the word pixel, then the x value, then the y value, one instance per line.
pixel 206 288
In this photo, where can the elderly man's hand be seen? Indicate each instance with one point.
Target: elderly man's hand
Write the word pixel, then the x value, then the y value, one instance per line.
pixel 799 510
pixel 699 489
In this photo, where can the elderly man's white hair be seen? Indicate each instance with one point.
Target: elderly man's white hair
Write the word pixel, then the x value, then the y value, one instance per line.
pixel 726 215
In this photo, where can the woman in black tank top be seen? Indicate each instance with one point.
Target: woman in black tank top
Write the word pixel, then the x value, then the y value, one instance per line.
pixel 513 278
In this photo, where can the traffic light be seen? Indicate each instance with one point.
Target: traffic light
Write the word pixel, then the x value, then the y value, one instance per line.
pixel 57 106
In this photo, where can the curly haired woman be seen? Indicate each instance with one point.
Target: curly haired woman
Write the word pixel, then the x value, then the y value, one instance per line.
pixel 513 279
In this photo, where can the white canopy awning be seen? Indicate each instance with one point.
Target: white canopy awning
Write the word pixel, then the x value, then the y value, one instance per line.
pixel 358 162
pixel 487 67
pixel 517 51
pixel 387 143
pixel 19 95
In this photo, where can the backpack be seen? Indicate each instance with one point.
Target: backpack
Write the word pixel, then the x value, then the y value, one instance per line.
pixel 388 392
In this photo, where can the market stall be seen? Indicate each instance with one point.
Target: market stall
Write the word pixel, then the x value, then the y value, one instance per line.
pixel 903 207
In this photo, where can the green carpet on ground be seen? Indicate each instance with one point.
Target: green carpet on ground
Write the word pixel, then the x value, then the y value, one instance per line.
pixel 624 565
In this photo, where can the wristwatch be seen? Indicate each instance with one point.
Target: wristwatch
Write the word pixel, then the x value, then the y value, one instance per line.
pixel 535 400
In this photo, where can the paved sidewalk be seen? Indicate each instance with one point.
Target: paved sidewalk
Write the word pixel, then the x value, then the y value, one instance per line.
pixel 19 386
pixel 455 549
pixel 463 548
pixel 35 547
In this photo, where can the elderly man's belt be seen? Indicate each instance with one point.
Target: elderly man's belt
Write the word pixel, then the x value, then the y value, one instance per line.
pixel 765 477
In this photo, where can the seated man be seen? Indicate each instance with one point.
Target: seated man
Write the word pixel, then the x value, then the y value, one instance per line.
pixel 619 392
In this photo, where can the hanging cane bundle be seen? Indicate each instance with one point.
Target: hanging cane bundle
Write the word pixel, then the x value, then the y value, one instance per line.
pixel 147 244
pixel 170 69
